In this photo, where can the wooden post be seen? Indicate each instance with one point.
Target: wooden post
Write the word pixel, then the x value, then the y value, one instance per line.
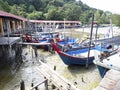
pixel 1 24
pixel 22 85
pixel 53 86
pixel 14 26
pixel 9 29
pixel 87 61
pixel 46 85
pixel 36 88
pixel 55 68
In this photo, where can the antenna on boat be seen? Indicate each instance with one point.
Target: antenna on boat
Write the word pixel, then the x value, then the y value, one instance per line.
pixel 87 61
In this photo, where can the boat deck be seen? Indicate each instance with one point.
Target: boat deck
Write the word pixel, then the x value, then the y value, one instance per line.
pixel 111 81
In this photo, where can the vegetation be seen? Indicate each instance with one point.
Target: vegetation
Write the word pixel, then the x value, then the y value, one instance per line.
pixel 57 10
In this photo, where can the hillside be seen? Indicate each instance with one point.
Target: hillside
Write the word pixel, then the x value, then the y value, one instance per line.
pixel 54 10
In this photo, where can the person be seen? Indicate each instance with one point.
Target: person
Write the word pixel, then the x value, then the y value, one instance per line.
pixel 27 37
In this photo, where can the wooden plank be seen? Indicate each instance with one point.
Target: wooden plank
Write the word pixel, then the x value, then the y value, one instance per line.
pixel 36 44
pixel 99 88
pixel 60 82
pixel 38 84
pixel 113 76
pixel 111 81
pixel 107 83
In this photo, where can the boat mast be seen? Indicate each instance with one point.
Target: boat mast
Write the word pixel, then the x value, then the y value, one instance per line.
pixel 87 61
pixel 64 27
pixel 111 26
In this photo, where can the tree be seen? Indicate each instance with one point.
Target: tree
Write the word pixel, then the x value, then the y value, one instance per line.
pixel 54 14
pixel 116 19
pixel 36 15
pixel 97 16
pixel 31 8
pixel 4 6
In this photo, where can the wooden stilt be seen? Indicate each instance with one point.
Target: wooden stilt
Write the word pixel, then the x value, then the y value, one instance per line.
pixel 36 88
pixel 22 85
pixel 55 68
pixel 46 85
pixel 2 30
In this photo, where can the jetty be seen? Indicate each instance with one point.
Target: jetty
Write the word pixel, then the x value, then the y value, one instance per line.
pixel 111 81
pixel 58 81
pixel 35 44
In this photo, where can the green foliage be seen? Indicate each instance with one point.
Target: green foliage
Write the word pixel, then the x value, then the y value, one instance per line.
pixel 116 19
pixel 35 15
pixel 57 10
pixel 4 6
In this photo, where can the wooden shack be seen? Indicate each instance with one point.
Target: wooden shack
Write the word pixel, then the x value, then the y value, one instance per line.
pixel 10 53
pixel 10 23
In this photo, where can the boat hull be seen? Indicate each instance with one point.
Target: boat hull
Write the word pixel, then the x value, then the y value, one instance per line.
pixel 102 70
pixel 68 60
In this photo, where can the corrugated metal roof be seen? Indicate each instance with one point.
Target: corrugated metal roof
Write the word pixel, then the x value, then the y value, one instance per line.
pixel 51 21
pixel 5 14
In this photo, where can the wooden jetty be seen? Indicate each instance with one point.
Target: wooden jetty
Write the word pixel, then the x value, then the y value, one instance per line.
pixel 58 81
pixel 111 81
pixel 35 44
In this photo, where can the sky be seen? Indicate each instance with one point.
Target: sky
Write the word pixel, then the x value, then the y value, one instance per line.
pixel 105 5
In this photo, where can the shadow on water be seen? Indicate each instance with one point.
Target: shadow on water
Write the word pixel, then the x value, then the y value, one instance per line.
pixel 5 76
pixel 77 69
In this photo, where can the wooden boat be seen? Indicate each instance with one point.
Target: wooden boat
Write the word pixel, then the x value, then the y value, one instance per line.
pixel 79 56
pixel 107 60
pixel 38 37
pixel 72 44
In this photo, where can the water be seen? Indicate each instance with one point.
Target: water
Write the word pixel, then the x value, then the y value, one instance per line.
pixel 84 79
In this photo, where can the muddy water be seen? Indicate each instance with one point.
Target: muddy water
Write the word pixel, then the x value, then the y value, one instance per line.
pixel 84 79
pixel 27 73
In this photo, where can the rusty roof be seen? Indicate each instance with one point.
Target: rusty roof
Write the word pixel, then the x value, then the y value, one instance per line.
pixel 51 21
pixel 6 14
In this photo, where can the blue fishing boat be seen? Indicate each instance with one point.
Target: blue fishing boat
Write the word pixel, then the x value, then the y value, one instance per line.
pixel 79 56
pixel 41 37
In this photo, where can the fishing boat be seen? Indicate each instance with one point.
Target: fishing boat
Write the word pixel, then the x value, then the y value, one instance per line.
pixel 79 56
pixel 107 60
pixel 38 37
pixel 74 44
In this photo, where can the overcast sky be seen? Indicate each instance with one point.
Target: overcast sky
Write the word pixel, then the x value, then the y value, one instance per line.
pixel 105 5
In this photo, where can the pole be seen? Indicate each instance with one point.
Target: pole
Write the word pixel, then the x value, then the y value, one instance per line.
pixel 64 27
pixel 87 61
pixel 111 27
pixel 96 32
pixel 22 85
